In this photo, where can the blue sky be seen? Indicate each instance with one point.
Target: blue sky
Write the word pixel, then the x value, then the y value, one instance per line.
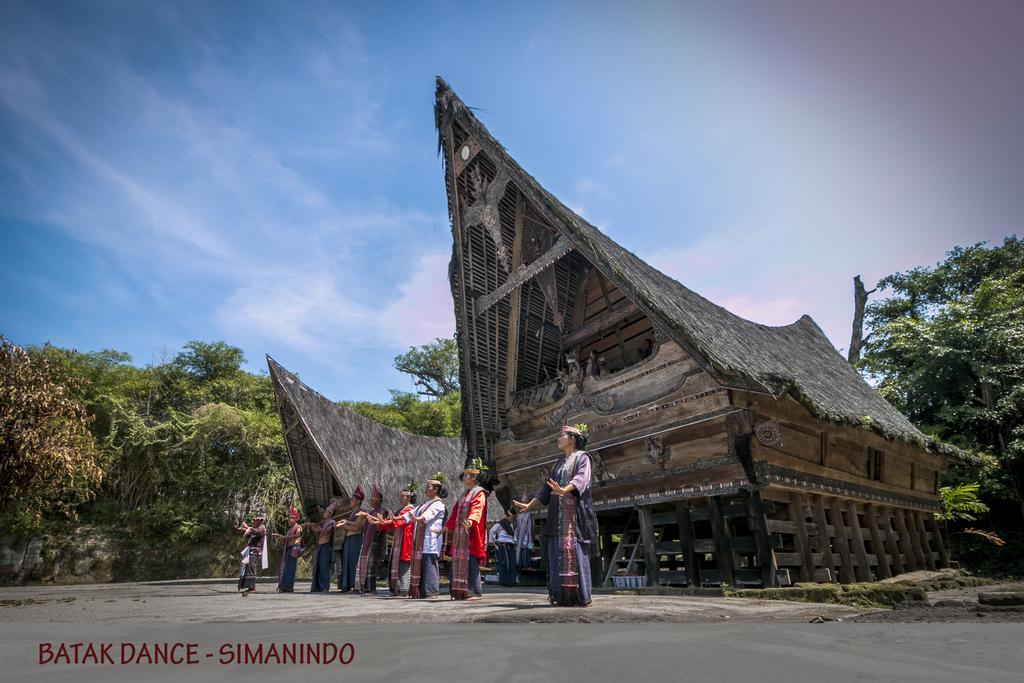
pixel 265 173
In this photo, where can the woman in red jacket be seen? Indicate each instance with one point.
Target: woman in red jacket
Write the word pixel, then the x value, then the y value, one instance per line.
pixel 466 529
pixel 401 544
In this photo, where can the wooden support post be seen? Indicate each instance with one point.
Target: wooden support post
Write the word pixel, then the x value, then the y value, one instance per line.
pixel 863 569
pixel 842 541
pixel 823 543
pixel 723 555
pixel 929 559
pixel 686 544
pixel 802 541
pixel 933 524
pixel 651 566
pixel 895 551
pixel 877 545
pixel 607 548
pixel 914 561
pixel 765 555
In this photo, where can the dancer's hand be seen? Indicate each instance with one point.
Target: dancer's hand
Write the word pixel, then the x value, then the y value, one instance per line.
pixel 557 488
pixel 520 505
pixel 467 524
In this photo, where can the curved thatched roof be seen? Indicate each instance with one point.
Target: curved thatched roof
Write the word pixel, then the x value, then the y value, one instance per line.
pixel 334 449
pixel 796 359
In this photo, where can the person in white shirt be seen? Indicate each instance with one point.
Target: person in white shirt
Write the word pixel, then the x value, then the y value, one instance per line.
pixel 502 536
pixel 427 540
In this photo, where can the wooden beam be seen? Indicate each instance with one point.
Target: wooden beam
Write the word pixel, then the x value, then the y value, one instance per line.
pixel 922 533
pixel 933 524
pixel 723 555
pixel 914 561
pixel 801 539
pixel 846 569
pixel 823 543
pixel 651 565
pixel 765 555
pixel 686 543
pixel 877 545
pixel 514 304
pixel 524 274
pixel 863 569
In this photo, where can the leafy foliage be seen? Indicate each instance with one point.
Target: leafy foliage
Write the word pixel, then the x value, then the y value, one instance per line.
pixel 961 502
pixel 435 366
pixel 947 347
pixel 48 457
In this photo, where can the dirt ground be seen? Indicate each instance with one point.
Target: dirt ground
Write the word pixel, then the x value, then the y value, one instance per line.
pixel 947 606
pixel 216 601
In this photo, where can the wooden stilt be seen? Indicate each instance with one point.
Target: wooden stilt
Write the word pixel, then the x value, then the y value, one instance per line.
pixel 765 555
pixel 723 555
pixel 651 568
pixel 914 560
pixel 801 540
pixel 823 543
pixel 686 544
pixel 933 524
pixel 895 549
pixel 877 544
pixel 863 569
pixel 929 558
pixel 842 541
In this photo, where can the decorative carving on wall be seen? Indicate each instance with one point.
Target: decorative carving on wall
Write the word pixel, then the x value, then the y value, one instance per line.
pixel 655 451
pixel 484 209
pixel 598 468
pixel 577 403
pixel 769 433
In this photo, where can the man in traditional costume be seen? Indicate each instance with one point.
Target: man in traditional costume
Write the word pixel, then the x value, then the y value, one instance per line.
pixel 323 554
pixel 402 541
pixel 524 540
pixel 425 576
pixel 502 536
pixel 371 552
pixel 571 524
pixel 254 555
pixel 352 544
pixel 465 527
pixel 291 549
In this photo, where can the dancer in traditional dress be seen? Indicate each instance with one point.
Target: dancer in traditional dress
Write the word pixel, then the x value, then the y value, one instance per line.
pixel 425 576
pixel 401 544
pixel 291 549
pixel 323 554
pixel 371 552
pixel 254 555
pixel 466 530
pixel 502 536
pixel 571 524
pixel 352 544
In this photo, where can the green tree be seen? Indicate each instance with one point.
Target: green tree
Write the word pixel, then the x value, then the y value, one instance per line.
pixel 210 360
pixel 947 347
pixel 48 458
pixel 434 366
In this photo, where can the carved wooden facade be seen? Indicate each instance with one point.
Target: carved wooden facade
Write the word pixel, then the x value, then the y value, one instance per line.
pixel 724 451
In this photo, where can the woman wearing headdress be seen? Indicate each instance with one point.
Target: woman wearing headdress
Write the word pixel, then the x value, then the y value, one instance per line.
pixel 401 544
pixel 571 524
pixel 291 549
pixel 424 574
pixel 254 555
pixel 371 551
pixel 466 530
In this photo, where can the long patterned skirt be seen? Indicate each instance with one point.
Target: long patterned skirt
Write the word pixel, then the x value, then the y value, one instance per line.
pixel 286 581
pixel 507 570
pixel 560 588
pixel 430 576
pixel 250 572
pixel 471 580
pixel 322 558
pixel 400 585
pixel 349 560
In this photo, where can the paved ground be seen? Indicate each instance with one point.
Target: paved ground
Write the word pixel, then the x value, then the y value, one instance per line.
pixel 949 606
pixel 216 601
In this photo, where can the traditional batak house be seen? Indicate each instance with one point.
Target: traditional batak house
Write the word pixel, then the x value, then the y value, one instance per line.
pixel 333 449
pixel 725 451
